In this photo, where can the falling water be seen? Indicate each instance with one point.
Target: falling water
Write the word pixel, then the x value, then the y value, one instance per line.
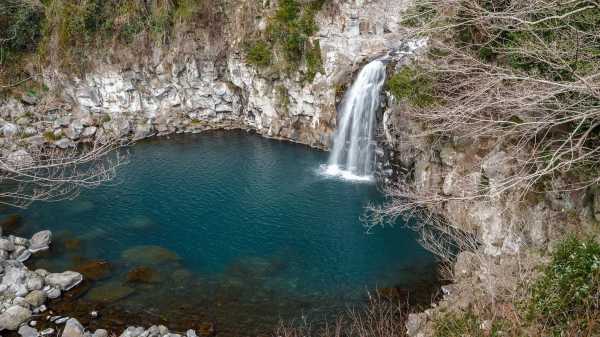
pixel 352 156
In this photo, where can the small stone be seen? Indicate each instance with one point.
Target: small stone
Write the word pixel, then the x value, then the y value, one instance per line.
pixel 26 331
pixel 34 281
pixel 36 298
pixel 7 245
pixel 20 301
pixel 132 331
pixel 73 329
pixel 13 317
pixel 100 333
pixel 40 309
pixel 191 333
pixel 94 314
pixel 64 143
pixel 47 332
pixel 29 98
pixel 10 130
pixel 40 241
pixel 53 292
pixel 89 131
pixel 21 254
pixel 33 323
pixel 61 320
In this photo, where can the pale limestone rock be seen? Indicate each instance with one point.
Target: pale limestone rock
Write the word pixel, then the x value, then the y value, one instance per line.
pixel 13 317
pixel 40 241
pixel 73 329
pixel 65 280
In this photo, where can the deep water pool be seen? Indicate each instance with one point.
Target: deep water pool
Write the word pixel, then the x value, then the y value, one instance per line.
pixel 227 230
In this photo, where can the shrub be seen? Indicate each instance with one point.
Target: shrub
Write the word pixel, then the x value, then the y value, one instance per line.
pixel 570 285
pixel 259 54
pixel 20 26
pixel 410 85
pixel 314 63
pixel 288 34
pixel 50 136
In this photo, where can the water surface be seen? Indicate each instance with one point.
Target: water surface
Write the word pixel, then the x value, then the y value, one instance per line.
pixel 228 228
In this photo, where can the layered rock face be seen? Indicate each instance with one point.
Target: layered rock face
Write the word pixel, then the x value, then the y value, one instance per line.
pixel 186 88
pixel 512 233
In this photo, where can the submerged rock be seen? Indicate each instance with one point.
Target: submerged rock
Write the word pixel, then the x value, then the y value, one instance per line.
pixel 140 222
pixel 95 269
pixel 149 255
pixel 11 223
pixel 143 275
pixel 72 244
pixel 110 292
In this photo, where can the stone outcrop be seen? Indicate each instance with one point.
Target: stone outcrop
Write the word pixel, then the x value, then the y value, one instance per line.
pixel 188 89
pixel 510 230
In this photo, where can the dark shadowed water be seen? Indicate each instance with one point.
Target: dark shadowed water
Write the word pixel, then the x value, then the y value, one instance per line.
pixel 227 228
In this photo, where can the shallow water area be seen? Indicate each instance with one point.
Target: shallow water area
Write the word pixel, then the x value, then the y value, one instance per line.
pixel 225 232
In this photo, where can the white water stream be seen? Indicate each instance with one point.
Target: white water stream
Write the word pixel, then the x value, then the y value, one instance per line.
pixel 352 156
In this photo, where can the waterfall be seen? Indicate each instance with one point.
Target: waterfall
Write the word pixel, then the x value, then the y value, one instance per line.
pixel 352 156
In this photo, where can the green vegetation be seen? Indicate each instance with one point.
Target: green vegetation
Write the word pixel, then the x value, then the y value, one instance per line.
pixel 569 287
pixel 564 300
pixel 20 28
pixel 494 67
pixel 288 37
pixel 64 31
pixel 412 86
pixel 259 54
pixel 49 136
pixel 466 324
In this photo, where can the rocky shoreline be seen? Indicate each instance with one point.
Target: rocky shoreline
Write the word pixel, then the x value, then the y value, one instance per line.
pixel 25 295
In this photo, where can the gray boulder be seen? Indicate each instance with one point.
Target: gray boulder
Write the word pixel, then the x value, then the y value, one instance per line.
pixel 7 245
pixel 133 331
pixel 20 158
pixel 34 281
pixel 100 333
pixel 89 131
pixel 21 254
pixel 73 329
pixel 13 317
pixel 65 280
pixel 14 279
pixel 29 99
pixel 40 241
pixel 10 130
pixel 36 298
pixel 52 292
pixel 64 143
pixel 27 331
